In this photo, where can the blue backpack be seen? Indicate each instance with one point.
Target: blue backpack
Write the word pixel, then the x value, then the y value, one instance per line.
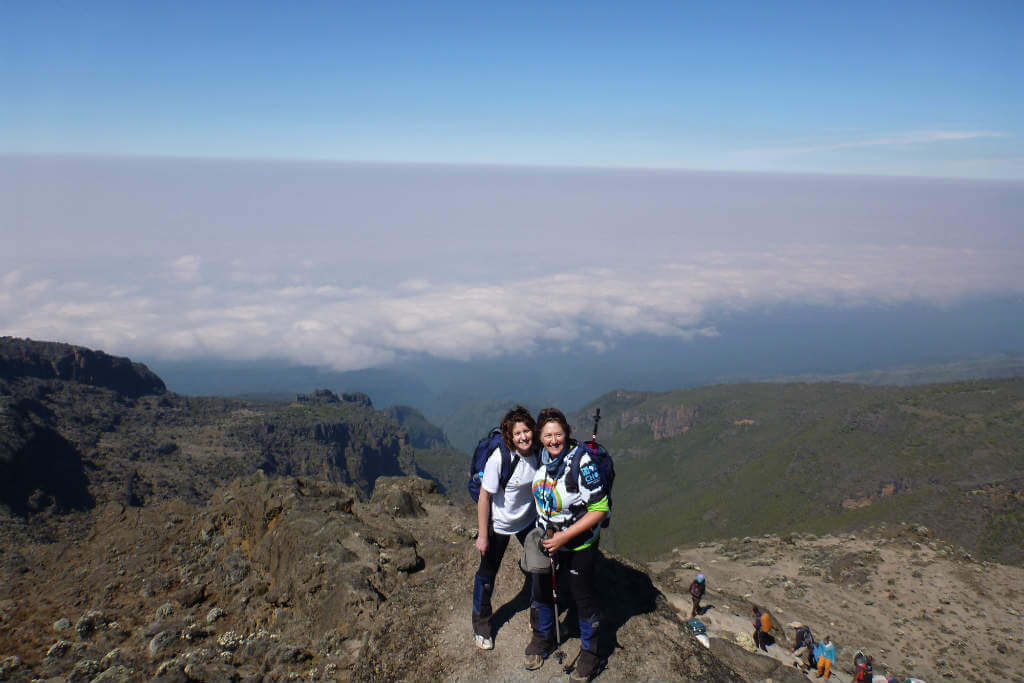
pixel 481 454
pixel 605 467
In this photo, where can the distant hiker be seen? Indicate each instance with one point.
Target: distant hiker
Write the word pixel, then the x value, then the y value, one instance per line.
pixel 697 589
pixel 762 625
pixel 571 512
pixel 804 644
pixel 505 508
pixel 865 671
pixel 826 654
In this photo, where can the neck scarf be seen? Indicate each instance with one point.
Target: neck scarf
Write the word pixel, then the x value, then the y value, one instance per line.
pixel 553 463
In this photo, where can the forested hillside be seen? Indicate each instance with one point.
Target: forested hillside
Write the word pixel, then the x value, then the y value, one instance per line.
pixel 736 460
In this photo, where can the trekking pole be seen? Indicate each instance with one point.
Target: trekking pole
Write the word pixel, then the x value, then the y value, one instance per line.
pixel 559 655
pixel 597 418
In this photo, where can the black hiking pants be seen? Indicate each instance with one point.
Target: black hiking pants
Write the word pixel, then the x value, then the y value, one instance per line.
pixel 575 578
pixel 483 583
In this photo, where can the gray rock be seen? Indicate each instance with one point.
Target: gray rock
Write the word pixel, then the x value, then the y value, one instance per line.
pixel 161 643
pixel 165 610
pixel 403 559
pixel 12 667
pixel 59 649
pixel 110 659
pixel 236 568
pixel 214 614
pixel 191 596
pixel 62 624
pixel 84 671
pixel 89 623
pixel 229 640
pixel 115 674
pixel 172 671
pixel 290 654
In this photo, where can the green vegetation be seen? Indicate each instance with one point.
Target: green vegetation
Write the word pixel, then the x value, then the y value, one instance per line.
pixel 736 460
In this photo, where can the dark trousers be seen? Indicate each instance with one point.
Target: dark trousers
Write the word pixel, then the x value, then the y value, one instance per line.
pixel 575 578
pixel 483 583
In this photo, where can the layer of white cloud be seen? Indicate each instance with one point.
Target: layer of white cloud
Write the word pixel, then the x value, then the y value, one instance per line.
pixel 345 328
pixel 354 265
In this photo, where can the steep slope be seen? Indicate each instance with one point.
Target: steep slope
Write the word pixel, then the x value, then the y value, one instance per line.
pixel 747 459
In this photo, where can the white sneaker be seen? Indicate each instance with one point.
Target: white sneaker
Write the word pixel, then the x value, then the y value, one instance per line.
pixel 483 642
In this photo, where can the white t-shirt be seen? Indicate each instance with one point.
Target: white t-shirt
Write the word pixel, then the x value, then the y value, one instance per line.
pixel 512 509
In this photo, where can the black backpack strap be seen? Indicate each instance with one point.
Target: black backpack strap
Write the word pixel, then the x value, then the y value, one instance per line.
pixel 572 477
pixel 509 463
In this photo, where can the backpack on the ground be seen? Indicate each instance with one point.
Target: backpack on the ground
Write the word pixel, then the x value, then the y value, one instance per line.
pixel 481 454
pixel 696 626
pixel 605 467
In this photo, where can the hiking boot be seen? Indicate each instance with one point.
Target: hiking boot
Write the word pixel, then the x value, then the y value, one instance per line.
pixel 533 662
pixel 483 642
pixel 537 651
pixel 588 667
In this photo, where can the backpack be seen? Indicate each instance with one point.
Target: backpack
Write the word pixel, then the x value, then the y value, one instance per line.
pixel 696 626
pixel 603 460
pixel 766 622
pixel 481 454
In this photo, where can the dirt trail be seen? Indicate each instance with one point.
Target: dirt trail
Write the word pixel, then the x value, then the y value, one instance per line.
pixel 512 621
pixel 643 636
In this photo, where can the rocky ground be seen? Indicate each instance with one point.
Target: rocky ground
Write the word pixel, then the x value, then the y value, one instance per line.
pixel 281 578
pixel 920 606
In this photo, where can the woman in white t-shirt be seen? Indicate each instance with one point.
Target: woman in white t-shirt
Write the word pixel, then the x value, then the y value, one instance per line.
pixel 503 511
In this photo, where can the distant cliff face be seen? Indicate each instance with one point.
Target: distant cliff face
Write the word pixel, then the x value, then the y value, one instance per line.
pixel 52 360
pixel 80 428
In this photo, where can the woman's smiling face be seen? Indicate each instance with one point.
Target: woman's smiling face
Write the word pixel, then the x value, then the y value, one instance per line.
pixel 552 436
pixel 522 437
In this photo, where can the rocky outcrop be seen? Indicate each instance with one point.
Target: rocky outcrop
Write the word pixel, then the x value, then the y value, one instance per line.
pixel 421 433
pixel 51 360
pixel 665 422
pixel 72 437
pixel 275 576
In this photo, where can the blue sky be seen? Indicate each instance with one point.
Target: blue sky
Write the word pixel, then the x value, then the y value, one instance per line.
pixel 930 88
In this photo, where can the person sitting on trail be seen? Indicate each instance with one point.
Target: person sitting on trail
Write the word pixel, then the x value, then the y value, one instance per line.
pixel 865 671
pixel 697 589
pixel 804 644
pixel 571 513
pixel 503 512
pixel 826 655
pixel 762 625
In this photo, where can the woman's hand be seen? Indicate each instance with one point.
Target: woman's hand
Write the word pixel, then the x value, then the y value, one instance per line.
pixel 553 543
pixel 481 544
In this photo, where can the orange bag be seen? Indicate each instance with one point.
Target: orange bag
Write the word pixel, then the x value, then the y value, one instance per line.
pixel 766 622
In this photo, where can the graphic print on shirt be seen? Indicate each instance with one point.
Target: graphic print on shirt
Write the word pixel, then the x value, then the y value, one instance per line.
pixel 590 475
pixel 546 495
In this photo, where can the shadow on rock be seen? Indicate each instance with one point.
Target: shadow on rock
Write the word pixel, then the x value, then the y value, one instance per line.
pixel 626 592
pixel 46 470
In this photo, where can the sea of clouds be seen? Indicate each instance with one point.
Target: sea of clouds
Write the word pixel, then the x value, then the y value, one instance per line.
pixel 351 266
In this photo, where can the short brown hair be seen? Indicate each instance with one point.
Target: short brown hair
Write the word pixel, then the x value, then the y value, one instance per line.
pixel 553 415
pixel 517 414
